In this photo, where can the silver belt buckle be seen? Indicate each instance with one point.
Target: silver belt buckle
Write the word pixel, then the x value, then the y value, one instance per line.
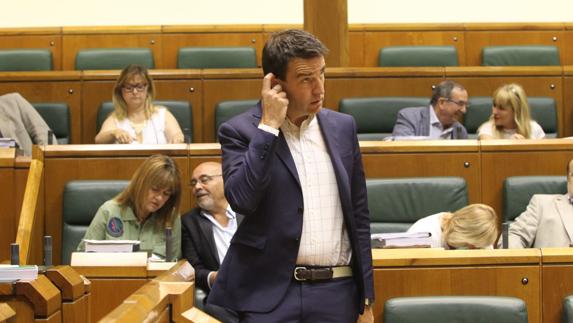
pixel 295 273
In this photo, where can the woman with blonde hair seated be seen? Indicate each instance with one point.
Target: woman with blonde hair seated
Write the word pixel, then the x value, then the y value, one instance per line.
pixel 144 209
pixel 135 118
pixel 471 227
pixel 510 118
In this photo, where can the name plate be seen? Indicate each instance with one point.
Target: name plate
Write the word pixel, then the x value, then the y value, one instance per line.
pixel 109 259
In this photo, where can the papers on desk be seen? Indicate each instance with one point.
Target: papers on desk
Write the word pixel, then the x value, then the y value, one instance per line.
pixel 9 273
pixel 111 245
pixel 402 240
pixel 7 143
pixel 109 259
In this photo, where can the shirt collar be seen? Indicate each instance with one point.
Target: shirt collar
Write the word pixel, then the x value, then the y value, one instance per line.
pixel 289 126
pixel 230 213
pixel 434 121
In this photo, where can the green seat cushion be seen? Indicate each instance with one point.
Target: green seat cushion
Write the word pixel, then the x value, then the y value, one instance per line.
pixel 393 56
pixel 531 55
pixel 217 57
pixel 25 60
pixel 57 116
pixel 518 190
pixel 113 58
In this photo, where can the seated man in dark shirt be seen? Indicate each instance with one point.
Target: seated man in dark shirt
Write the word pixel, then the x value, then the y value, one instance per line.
pixel 207 231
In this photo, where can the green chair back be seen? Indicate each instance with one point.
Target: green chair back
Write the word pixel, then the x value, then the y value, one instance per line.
pixel 57 116
pixel 217 57
pixel 113 58
pixel 455 309
pixel 393 56
pixel 568 309
pixel 25 60
pixel 225 110
pixel 396 203
pixel 531 55
pixel 181 110
pixel 81 200
pixel 375 116
pixel 518 190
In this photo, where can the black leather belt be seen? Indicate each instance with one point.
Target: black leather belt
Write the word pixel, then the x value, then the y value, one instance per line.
pixel 313 274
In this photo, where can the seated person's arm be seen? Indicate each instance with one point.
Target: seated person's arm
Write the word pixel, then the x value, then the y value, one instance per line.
pixel 173 132
pixel 96 230
pixel 403 126
pixel 110 134
pixel 523 230
pixel 485 132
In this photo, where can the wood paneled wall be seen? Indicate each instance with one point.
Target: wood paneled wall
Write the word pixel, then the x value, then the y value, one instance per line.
pixel 365 40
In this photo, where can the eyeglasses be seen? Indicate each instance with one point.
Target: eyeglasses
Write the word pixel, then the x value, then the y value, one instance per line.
pixel 130 87
pixel 459 103
pixel 203 179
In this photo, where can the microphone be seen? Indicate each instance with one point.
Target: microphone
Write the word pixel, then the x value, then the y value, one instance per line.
pixel 168 245
pixel 15 254
pixel 505 235
pixel 47 251
pixel 50 137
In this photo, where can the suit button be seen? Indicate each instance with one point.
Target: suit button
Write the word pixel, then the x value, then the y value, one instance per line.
pixel 262 157
pixel 300 210
pixel 266 146
pixel 297 239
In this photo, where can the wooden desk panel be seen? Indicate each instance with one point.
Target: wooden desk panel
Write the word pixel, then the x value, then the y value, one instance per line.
pixel 478 39
pixel 50 90
pixel 72 43
pixel 374 41
pixel 567 116
pixel 109 293
pixel 9 215
pixel 179 38
pixel 557 280
pixel 431 272
pixel 503 158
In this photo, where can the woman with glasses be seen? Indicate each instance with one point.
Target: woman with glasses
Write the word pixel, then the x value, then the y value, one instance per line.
pixel 510 117
pixel 135 118
pixel 144 209
pixel 471 227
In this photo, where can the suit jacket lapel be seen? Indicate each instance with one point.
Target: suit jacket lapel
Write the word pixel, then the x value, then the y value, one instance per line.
pixel 206 228
pixel 564 210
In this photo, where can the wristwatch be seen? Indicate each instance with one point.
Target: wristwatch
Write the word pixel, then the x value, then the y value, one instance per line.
pixel 368 301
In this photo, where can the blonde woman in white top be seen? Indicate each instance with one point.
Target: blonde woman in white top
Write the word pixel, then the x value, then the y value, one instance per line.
pixel 135 118
pixel 510 118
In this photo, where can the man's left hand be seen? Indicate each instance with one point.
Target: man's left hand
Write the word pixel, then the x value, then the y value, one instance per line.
pixel 367 316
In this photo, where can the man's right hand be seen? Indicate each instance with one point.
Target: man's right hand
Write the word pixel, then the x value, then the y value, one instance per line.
pixel 275 103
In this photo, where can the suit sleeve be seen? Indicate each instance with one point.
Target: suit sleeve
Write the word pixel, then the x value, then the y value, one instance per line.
pixel 246 166
pixel 191 253
pixel 522 232
pixel 35 126
pixel 362 217
pixel 403 126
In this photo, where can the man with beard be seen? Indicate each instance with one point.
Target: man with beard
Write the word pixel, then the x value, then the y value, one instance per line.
pixel 207 231
pixel 439 120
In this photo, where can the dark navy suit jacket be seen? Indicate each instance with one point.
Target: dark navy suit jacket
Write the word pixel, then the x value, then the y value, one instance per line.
pixel 261 182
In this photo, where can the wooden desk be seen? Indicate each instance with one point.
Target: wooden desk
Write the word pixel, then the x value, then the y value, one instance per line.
pixel 75 297
pixel 9 214
pixel 110 286
pixel 557 280
pixel 7 314
pixel 427 272
pixel 34 301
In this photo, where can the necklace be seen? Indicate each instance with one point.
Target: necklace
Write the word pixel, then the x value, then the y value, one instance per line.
pixel 138 128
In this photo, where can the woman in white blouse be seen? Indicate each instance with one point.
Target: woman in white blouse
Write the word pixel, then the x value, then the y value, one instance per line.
pixel 135 118
pixel 510 118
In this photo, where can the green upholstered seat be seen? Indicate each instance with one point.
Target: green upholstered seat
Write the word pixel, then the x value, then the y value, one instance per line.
pixel 216 57
pixel 396 203
pixel 518 190
pixel 531 55
pixel 81 200
pixel 418 56
pixel 57 116
pixel 225 110
pixel 113 58
pixel 25 60
pixel 181 110
pixel 568 309
pixel 375 116
pixel 455 309
pixel 543 110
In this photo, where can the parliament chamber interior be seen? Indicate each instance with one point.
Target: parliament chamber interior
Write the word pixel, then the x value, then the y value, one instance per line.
pixel 205 75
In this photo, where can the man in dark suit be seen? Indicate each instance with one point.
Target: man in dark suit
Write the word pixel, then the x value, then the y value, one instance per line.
pixel 206 232
pixel 439 120
pixel 294 170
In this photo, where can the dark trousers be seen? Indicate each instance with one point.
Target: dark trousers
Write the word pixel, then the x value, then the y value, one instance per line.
pixel 332 301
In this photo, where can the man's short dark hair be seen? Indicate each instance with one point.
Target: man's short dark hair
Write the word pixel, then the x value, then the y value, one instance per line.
pixel 444 90
pixel 285 45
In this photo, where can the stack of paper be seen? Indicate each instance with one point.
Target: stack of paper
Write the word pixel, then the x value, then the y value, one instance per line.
pixel 15 272
pixel 7 142
pixel 111 245
pixel 402 240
